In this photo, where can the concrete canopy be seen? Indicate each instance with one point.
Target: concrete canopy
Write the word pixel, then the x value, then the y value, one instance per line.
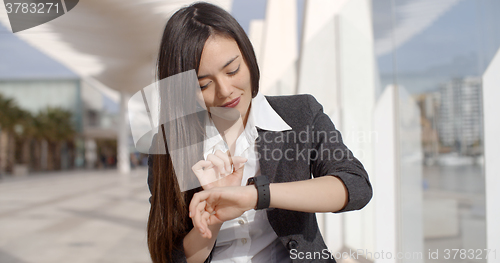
pixel 113 41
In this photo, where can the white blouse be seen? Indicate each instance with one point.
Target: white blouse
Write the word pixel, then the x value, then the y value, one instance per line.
pixel 250 237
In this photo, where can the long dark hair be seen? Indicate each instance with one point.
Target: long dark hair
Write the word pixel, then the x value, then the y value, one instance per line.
pixel 181 47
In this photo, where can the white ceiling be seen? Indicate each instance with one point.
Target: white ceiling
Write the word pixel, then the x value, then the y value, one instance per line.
pixel 112 41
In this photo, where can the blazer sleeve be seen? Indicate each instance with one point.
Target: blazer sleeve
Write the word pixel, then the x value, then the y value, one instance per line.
pixel 332 157
pixel 178 255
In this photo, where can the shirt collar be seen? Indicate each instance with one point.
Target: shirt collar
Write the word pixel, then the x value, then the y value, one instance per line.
pixel 261 115
pixel 265 117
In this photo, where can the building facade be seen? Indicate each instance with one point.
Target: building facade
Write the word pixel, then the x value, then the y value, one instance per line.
pixel 460 126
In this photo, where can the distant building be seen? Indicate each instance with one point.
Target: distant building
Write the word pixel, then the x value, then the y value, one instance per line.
pixel 94 109
pixel 460 122
pixel 429 114
pixel 35 95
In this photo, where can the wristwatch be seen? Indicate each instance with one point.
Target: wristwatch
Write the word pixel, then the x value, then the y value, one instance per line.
pixel 263 193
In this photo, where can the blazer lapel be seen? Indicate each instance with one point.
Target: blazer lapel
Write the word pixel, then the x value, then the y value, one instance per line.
pixel 267 143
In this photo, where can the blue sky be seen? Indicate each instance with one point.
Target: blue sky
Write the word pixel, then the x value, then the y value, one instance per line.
pixel 20 60
pixel 455 34
pixel 460 43
pixel 244 11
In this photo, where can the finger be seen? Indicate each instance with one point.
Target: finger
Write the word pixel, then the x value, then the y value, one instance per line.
pixel 208 207
pixel 212 201
pixel 200 169
pixel 195 201
pixel 209 234
pixel 201 165
pixel 217 162
pixel 238 162
pixel 229 154
pixel 204 221
pixel 197 220
pixel 225 158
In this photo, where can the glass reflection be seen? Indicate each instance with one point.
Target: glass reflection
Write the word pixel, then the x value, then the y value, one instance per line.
pixel 438 51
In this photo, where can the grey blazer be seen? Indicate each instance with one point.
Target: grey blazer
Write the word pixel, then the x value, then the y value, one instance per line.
pixel 313 148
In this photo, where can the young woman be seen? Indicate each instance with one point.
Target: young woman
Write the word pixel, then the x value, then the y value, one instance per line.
pixel 287 147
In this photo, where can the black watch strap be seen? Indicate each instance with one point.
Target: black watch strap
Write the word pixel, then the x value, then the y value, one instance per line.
pixel 263 193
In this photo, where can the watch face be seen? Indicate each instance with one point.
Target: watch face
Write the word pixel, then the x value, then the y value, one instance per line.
pixel 250 181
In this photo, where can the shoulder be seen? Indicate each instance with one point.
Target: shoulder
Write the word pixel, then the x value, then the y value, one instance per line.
pixel 295 109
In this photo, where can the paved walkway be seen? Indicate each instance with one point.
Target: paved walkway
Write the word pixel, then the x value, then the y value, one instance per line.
pixel 77 216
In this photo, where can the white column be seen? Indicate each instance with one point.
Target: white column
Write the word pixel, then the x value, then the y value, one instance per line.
pixel 123 135
pixel 90 153
pixel 319 55
pixel 256 34
pixel 397 178
pixel 317 75
pixel 279 48
pixel 337 36
pixel 357 98
pixel 491 108
pixel 384 179
pixel 409 177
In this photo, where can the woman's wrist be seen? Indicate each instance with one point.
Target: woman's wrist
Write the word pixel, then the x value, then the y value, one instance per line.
pixel 196 247
pixel 253 196
pixel 215 226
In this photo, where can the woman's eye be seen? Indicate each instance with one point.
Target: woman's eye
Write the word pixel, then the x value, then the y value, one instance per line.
pixel 205 86
pixel 234 72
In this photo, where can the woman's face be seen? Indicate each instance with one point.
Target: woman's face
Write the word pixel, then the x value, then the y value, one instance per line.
pixel 224 77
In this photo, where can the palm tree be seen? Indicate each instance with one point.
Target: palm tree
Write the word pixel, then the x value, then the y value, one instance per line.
pixel 19 128
pixel 8 110
pixel 55 126
pixel 11 117
pixel 23 134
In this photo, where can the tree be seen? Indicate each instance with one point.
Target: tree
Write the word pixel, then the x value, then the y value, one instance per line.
pixel 8 110
pixel 13 121
pixel 55 125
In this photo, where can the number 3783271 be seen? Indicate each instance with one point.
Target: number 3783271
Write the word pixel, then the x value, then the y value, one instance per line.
pixel 33 8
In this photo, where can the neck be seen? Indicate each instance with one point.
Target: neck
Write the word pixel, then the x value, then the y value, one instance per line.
pixel 245 118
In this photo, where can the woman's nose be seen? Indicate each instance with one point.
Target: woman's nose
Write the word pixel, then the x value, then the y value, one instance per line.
pixel 224 89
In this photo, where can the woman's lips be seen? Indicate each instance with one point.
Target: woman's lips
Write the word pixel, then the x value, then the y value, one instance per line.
pixel 232 103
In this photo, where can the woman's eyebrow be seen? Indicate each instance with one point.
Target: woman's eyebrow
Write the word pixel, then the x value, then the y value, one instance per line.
pixel 225 65
pixel 230 61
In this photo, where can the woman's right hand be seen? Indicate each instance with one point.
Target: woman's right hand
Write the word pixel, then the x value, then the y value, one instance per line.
pixel 219 170
pixel 215 206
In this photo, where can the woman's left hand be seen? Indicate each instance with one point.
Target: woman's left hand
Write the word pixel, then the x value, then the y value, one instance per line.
pixel 218 205
pixel 216 171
